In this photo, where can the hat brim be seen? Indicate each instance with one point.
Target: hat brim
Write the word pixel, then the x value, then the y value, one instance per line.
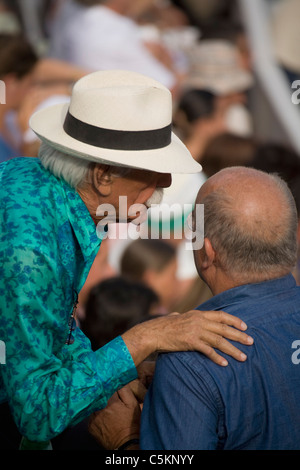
pixel 175 158
pixel 221 84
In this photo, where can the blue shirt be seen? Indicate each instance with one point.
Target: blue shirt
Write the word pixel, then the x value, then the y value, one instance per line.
pixel 194 404
pixel 48 243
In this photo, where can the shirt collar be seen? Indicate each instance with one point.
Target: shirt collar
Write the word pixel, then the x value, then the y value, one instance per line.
pixel 81 221
pixel 241 293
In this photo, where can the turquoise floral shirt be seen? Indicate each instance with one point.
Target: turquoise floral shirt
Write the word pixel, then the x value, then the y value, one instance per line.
pixel 48 242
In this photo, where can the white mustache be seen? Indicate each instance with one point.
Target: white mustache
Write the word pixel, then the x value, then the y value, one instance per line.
pixel 156 197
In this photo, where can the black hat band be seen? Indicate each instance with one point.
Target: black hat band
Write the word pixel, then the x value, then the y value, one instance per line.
pixel 115 139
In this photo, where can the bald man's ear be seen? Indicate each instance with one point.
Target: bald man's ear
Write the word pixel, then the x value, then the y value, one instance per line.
pixel 209 254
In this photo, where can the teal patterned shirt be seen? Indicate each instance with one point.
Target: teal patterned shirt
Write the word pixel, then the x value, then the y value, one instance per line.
pixel 48 243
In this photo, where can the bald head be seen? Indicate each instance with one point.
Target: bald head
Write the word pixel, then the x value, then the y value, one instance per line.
pixel 251 221
pixel 260 203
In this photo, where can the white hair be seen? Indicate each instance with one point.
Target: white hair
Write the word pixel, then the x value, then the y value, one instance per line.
pixel 156 197
pixel 73 170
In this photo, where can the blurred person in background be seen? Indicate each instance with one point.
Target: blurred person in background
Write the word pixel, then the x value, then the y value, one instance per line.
pixel 167 33
pixel 30 83
pixel 101 35
pixel 154 263
pixel 17 65
pixel 214 96
pixel 115 305
pixel 197 120
pixel 201 13
pixel 233 32
pixel 227 150
pixel 9 21
pixel 285 37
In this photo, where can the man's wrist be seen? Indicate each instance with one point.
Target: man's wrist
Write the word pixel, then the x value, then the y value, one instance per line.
pixel 140 341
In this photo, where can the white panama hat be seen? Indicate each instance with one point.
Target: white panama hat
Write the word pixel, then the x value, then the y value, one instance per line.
pixel 215 67
pixel 119 118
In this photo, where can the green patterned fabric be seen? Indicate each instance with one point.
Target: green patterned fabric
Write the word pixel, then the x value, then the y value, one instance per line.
pixel 48 243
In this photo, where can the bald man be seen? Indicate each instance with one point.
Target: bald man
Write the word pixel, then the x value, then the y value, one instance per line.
pixel 249 251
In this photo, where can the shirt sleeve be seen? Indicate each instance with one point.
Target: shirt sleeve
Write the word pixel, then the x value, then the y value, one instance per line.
pixel 49 384
pixel 181 410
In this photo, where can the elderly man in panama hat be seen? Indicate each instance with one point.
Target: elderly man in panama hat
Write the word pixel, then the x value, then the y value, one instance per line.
pixel 113 139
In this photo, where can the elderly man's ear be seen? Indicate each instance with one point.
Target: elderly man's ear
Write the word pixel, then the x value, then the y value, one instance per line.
pixel 102 179
pixel 208 255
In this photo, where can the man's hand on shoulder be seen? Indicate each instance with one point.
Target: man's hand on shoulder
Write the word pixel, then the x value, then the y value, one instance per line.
pixel 191 331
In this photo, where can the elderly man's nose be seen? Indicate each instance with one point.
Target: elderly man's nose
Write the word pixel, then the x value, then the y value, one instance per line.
pixel 164 180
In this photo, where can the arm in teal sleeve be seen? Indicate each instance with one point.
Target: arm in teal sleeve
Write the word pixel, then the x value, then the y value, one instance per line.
pixel 49 384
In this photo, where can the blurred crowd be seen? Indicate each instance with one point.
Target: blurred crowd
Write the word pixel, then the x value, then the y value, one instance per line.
pixel 200 50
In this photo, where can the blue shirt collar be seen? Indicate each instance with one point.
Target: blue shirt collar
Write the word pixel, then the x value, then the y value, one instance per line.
pixel 250 291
